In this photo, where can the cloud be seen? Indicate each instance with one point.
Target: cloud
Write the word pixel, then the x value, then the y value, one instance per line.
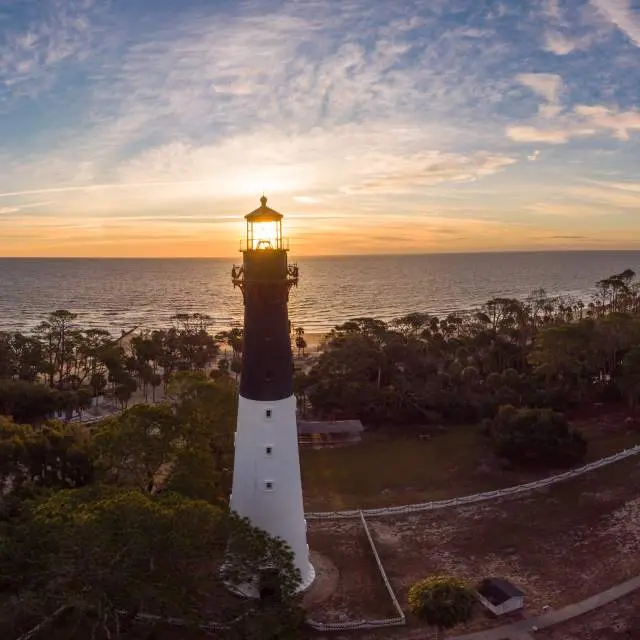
pixel 620 122
pixel 624 186
pixel 620 13
pixel 22 207
pixel 612 197
pixel 561 44
pixel 60 30
pixel 571 204
pixel 91 187
pixel 584 121
pixel 569 27
pixel 351 109
pixel 527 133
pixel 429 169
pixel 306 199
pixel 547 85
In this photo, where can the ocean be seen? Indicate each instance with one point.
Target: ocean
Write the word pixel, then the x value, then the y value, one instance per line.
pixel 120 294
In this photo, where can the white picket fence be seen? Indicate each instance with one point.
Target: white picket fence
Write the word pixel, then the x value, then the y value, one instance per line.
pixel 398 621
pixel 476 497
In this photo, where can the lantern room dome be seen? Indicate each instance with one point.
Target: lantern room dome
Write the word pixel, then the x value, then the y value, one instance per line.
pixel 263 213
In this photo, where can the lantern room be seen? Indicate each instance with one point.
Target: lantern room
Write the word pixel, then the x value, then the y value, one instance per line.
pixel 264 230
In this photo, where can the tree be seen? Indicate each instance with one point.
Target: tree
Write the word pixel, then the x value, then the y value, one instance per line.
pixel 301 382
pixel 630 379
pixel 28 402
pixel 53 456
pixel 223 366
pixel 56 334
pixel 442 602
pixel 134 447
pixel 115 553
pixel 125 389
pixel 236 365
pixel 155 382
pixel 301 344
pixel 206 411
pixel 535 437
pixel 232 338
pixel 566 354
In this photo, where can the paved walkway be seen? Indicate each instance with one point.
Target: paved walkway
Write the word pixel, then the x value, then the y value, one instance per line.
pixel 523 629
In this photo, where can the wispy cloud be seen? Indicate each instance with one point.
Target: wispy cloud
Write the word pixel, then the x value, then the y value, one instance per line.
pixel 426 170
pixel 583 121
pixel 131 112
pixel 51 33
pixel 621 14
pixel 528 133
pixel 92 187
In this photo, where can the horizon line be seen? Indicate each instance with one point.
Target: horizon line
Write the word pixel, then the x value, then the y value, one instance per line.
pixel 342 255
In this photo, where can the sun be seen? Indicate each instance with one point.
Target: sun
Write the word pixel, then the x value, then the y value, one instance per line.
pixel 265 231
pixel 270 180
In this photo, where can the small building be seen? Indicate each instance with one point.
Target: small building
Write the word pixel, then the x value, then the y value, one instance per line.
pixel 500 596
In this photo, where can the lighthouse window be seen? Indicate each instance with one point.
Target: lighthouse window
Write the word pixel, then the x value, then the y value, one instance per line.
pixel 268 485
pixel 268 376
pixel 267 413
pixel 268 450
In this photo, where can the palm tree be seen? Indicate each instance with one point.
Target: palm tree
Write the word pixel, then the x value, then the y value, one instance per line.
pixel 301 344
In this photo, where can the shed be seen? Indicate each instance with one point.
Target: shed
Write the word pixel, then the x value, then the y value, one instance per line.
pixel 500 596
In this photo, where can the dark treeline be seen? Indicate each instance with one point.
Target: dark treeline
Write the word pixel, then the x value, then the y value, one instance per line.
pixel 61 367
pixel 131 516
pixel 544 352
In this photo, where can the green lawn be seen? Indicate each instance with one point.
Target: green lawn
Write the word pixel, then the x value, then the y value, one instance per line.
pixel 384 471
pixel 603 444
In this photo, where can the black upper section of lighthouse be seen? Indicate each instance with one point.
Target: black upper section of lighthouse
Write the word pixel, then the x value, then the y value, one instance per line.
pixel 265 279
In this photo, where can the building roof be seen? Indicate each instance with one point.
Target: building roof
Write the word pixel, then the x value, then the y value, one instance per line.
pixel 329 426
pixel 497 591
pixel 263 213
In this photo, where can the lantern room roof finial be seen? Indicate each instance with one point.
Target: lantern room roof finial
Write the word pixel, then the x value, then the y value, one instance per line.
pixel 263 213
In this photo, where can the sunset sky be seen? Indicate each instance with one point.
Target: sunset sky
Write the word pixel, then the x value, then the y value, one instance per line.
pixel 150 127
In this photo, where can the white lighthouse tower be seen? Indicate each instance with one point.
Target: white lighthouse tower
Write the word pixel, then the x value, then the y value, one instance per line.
pixel 266 473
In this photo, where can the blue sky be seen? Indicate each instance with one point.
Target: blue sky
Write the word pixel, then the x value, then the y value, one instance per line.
pixel 149 128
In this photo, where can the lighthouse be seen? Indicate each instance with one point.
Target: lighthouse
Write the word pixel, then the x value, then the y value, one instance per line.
pixel 267 488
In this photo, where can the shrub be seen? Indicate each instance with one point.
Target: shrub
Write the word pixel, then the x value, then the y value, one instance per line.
pixel 535 437
pixel 442 601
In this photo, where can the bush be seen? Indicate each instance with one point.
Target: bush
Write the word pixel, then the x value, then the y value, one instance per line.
pixel 535 438
pixel 442 601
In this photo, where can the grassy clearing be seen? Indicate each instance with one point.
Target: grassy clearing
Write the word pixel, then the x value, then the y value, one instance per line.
pixel 559 545
pixel 385 471
pixel 605 442
pixel 382 470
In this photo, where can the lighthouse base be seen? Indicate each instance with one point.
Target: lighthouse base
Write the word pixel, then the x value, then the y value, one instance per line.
pixel 252 589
